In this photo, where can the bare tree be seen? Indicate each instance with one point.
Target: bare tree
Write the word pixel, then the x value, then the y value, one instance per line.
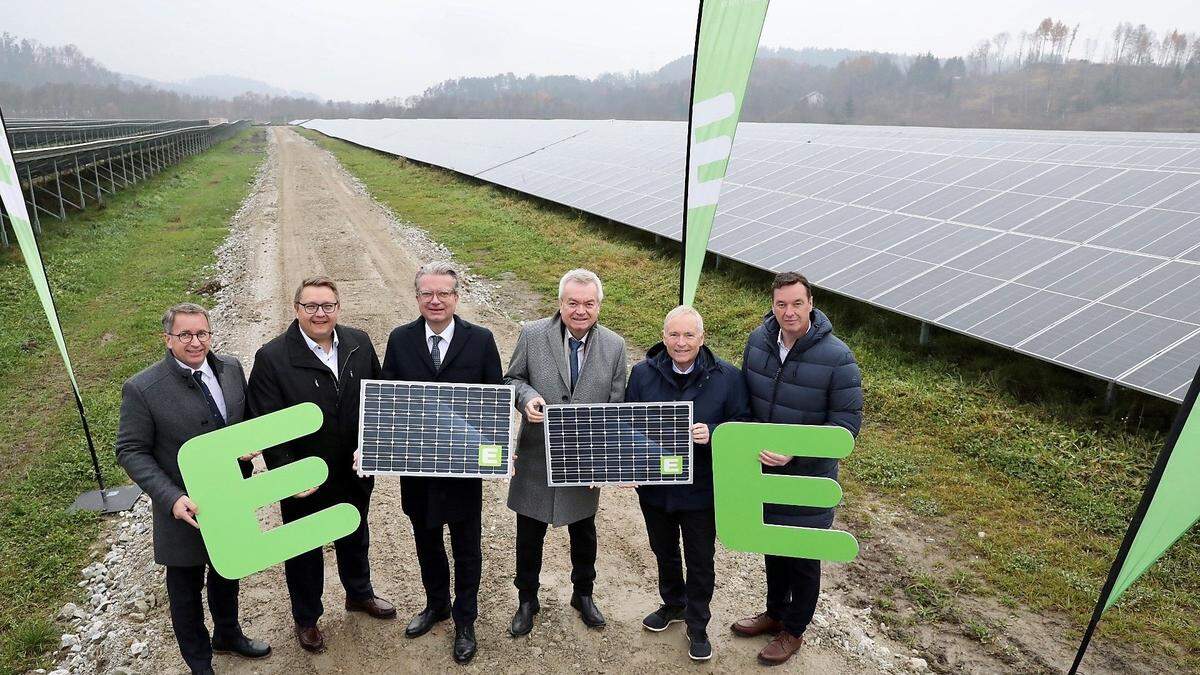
pixel 1000 40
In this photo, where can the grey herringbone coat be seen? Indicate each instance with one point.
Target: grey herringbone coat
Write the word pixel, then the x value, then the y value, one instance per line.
pixel 161 409
pixel 539 368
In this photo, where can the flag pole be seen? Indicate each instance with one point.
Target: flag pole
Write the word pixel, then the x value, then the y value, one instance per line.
pixel 687 159
pixel 1156 474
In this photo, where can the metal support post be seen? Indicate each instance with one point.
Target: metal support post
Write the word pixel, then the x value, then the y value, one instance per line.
pixel 62 209
pixel 926 335
pixel 37 221
pixel 1110 397
pixel 79 184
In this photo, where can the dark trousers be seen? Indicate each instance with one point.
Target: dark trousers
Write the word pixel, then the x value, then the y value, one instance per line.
pixel 305 574
pixel 187 612
pixel 466 541
pixel 793 585
pixel 531 536
pixel 699 532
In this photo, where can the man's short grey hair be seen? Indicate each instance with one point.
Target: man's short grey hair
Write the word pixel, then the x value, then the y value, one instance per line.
pixel 684 310
pixel 581 276
pixel 168 319
pixel 436 268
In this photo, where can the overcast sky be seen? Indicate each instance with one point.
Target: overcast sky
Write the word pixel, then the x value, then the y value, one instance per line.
pixel 364 50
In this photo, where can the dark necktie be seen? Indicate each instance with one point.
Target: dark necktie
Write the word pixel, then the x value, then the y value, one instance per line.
pixel 574 345
pixel 213 410
pixel 436 352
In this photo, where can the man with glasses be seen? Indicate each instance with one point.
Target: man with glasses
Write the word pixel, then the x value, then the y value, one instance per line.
pixel 190 392
pixel 318 361
pixel 441 346
pixel 565 358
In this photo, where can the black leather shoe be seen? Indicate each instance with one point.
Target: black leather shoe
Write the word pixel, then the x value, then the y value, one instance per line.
pixel 206 671
pixel 242 646
pixel 464 643
pixel 588 611
pixel 522 621
pixel 424 620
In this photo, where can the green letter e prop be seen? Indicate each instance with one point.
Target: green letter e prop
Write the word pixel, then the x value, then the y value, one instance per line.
pixel 227 502
pixel 740 488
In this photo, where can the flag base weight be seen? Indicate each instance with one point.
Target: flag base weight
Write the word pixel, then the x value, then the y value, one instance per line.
pixel 110 500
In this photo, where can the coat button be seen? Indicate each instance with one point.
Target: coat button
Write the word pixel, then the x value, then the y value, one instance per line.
pixel 566 398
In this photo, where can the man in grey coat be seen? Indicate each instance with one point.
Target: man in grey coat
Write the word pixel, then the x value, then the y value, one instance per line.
pixel 189 393
pixel 566 358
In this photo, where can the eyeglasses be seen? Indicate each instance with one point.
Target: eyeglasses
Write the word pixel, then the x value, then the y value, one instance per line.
pixel 426 296
pixel 312 307
pixel 186 337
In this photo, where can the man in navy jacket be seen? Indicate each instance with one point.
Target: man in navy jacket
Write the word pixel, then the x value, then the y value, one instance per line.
pixel 681 368
pixel 796 372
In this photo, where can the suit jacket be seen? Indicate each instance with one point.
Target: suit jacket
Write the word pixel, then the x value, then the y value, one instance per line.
pixel 162 408
pixel 286 372
pixel 471 358
pixel 539 368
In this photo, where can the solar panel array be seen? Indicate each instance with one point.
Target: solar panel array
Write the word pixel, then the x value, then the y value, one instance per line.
pixel 1080 248
pixel 436 429
pixel 619 443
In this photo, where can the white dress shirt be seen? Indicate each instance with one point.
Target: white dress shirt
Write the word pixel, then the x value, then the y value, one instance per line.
pixel 447 335
pixel 675 367
pixel 210 380
pixel 330 358
pixel 783 350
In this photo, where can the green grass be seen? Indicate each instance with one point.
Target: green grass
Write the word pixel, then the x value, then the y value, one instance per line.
pixel 113 271
pixel 974 437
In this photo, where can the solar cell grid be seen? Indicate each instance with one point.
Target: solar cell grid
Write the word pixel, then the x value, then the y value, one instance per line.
pixel 436 429
pixel 619 443
pixel 1098 211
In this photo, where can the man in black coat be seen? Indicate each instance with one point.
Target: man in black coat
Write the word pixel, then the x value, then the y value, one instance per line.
pixel 315 360
pixel 797 372
pixel 681 368
pixel 442 347
pixel 190 392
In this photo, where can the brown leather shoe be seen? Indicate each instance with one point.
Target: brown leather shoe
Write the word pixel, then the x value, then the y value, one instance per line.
pixel 376 607
pixel 311 638
pixel 759 624
pixel 780 649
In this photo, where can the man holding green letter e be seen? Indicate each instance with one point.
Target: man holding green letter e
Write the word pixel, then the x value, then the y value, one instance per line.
pixel 187 394
pixel 797 373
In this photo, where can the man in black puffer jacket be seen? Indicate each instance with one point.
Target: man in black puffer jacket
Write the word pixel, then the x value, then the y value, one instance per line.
pixel 681 368
pixel 797 372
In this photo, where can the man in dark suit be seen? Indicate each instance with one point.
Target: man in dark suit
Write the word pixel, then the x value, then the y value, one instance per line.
pixel 189 393
pixel 318 361
pixel 442 347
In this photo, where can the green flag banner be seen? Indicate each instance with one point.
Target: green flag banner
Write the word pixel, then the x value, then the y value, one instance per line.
pixel 740 489
pixel 726 42
pixel 14 205
pixel 1169 507
pixel 227 503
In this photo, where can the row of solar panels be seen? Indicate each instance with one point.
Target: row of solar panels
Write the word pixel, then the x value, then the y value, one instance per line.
pixel 1079 248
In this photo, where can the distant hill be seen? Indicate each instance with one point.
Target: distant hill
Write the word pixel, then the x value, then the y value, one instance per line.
pixel 681 68
pixel 221 86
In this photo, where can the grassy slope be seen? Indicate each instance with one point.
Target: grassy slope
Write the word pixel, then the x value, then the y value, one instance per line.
pixel 973 437
pixel 113 271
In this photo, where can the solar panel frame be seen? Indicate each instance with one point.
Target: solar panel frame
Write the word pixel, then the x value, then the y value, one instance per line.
pixel 504 399
pixel 681 446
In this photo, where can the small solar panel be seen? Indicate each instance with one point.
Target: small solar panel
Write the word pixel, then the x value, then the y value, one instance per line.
pixel 436 429
pixel 623 443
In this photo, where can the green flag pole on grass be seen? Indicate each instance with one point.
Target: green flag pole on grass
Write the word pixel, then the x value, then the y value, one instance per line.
pixel 14 204
pixel 727 33
pixel 1169 507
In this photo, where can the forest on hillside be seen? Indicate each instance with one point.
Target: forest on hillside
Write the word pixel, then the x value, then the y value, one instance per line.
pixel 1137 79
